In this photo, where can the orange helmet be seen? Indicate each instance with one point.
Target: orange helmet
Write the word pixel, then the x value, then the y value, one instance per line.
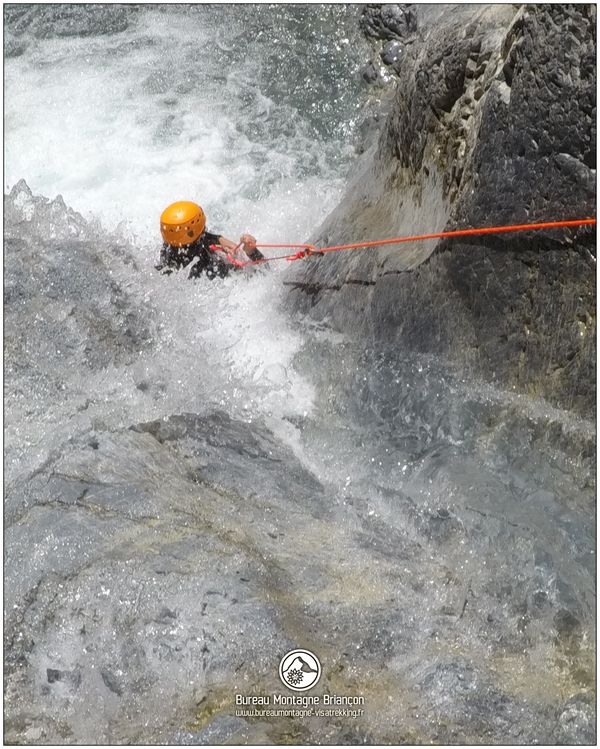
pixel 182 223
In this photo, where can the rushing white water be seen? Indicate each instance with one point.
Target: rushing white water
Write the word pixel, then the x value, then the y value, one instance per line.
pixel 190 103
pixel 204 103
pixel 426 496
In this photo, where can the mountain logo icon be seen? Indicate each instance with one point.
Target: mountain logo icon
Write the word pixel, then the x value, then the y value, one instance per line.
pixel 299 670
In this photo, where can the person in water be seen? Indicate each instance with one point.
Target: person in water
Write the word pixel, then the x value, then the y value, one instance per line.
pixel 183 229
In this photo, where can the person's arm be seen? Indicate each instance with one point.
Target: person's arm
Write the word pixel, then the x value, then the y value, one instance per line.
pixel 227 244
pixel 247 241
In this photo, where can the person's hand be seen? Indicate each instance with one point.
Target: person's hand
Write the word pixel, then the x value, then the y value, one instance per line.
pixel 248 241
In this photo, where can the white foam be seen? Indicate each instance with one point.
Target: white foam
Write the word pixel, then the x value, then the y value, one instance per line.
pixel 122 125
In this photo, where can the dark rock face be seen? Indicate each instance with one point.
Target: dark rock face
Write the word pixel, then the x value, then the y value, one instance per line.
pixel 493 123
pixel 461 304
pixel 224 446
pixel 540 119
pixel 389 21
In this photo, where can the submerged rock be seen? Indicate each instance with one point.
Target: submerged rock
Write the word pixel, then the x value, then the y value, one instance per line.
pixel 49 21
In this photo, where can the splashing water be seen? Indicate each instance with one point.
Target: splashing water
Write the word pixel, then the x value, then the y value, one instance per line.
pixel 213 104
pixel 436 531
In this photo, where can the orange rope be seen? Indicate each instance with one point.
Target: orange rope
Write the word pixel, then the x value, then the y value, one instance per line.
pixel 312 250
pixel 465 233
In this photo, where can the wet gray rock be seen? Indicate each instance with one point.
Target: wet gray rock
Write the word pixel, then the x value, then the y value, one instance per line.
pixel 544 93
pixel 370 74
pixel 225 729
pixel 251 461
pixel 172 555
pixel 389 21
pixel 493 123
pixel 577 722
pixel 98 570
pixel 60 306
pixel 44 22
pixel 392 53
pixel 523 338
pixel 12 46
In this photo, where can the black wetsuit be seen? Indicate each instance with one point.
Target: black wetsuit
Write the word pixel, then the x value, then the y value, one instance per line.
pixel 212 265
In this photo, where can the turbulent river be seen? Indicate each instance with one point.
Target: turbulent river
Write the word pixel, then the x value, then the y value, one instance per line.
pixel 198 480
